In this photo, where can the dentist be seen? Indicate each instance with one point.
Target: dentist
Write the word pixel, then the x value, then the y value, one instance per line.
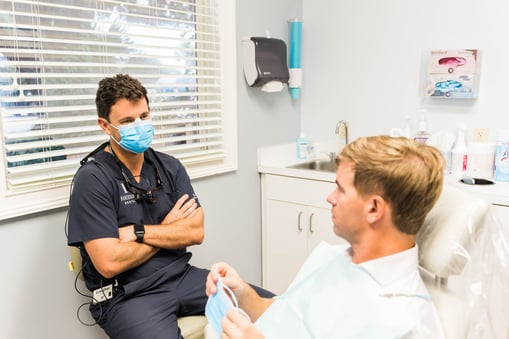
pixel 133 212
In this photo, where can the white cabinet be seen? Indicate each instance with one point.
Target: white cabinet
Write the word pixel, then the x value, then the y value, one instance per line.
pixel 295 218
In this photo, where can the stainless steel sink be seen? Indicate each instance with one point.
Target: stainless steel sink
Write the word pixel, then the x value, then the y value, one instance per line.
pixel 317 165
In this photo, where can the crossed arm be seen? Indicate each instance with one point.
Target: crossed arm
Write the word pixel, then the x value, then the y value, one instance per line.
pixel 181 227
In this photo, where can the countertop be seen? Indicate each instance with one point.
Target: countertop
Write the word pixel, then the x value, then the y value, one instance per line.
pixel 276 159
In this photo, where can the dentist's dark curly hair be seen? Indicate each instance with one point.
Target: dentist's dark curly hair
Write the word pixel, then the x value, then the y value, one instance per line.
pixel 120 86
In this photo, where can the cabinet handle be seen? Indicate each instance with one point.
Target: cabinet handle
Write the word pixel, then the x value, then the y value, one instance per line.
pixel 311 230
pixel 299 226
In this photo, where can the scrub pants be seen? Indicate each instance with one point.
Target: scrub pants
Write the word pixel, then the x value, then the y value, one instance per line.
pixel 150 309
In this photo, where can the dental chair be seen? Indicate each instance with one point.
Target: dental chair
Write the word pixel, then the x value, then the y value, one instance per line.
pixel 191 327
pixel 461 241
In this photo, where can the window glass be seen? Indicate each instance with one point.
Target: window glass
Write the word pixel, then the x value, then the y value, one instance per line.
pixel 53 53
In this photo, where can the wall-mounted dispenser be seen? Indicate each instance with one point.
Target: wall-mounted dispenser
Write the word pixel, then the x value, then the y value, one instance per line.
pixel 265 63
pixel 295 81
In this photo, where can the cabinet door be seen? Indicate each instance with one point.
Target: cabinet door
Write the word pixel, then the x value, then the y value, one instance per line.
pixel 284 243
pixel 320 228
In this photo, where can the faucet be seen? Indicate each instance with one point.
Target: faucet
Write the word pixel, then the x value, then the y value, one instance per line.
pixel 342 130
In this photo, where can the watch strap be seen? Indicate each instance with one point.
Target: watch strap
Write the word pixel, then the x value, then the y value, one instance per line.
pixel 139 231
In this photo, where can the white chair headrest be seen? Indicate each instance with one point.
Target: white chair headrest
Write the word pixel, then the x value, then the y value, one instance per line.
pixel 445 238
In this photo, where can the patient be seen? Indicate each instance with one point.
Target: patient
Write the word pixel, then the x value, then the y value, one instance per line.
pixel 372 288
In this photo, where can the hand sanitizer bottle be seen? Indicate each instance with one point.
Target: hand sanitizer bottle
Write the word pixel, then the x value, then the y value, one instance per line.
pixel 302 147
pixel 422 135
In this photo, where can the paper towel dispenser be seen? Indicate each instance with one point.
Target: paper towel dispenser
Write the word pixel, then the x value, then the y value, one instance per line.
pixel 265 63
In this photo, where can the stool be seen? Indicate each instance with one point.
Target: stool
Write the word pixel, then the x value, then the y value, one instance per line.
pixel 192 327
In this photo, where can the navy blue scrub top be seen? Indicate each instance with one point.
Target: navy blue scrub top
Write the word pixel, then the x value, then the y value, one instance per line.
pixel 101 203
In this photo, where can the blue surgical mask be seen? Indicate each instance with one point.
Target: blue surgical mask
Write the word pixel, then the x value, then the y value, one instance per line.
pixel 218 304
pixel 135 137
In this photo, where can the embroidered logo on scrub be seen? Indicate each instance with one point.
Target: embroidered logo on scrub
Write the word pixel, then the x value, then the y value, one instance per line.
pixel 127 197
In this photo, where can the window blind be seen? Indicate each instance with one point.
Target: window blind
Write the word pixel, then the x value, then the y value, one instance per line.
pixel 53 53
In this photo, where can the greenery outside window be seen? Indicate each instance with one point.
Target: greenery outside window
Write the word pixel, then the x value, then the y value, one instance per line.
pixel 53 54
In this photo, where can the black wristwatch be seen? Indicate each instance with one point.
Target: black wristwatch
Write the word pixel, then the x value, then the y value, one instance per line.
pixel 139 230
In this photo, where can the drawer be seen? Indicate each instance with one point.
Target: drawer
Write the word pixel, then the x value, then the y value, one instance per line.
pixel 298 191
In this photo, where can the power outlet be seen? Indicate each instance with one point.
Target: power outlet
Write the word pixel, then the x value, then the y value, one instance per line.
pixel 480 134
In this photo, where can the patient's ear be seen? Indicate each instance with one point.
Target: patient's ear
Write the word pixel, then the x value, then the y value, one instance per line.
pixel 376 208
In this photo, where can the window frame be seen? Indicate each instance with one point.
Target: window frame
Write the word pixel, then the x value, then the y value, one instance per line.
pixel 24 203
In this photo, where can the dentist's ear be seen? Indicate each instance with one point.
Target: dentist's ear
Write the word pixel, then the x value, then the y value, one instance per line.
pixel 104 124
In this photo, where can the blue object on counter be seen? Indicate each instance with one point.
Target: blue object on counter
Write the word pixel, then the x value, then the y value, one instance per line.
pixel 502 160
pixel 302 147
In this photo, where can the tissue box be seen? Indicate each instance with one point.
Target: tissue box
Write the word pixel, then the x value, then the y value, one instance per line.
pixel 458 62
pixel 453 74
pixel 451 86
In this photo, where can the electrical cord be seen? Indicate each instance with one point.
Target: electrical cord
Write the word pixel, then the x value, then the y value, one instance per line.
pixel 76 278
pixel 92 300
pixel 80 272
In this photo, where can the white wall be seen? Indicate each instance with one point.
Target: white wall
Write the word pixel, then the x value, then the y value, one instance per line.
pixel 38 297
pixel 362 62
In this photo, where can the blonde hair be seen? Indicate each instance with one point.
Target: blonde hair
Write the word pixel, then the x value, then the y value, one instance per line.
pixel 407 174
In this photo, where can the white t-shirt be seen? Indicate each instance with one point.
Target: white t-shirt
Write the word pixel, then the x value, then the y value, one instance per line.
pixel 333 298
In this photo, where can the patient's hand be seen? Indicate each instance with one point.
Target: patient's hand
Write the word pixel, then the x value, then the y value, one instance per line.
pixel 238 326
pixel 247 298
pixel 228 275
